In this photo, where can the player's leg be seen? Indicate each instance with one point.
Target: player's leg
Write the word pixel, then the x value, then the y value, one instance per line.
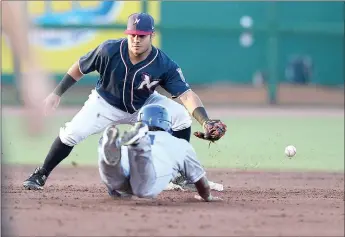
pixel 181 128
pixel 94 116
pixel 113 163
pixel 181 120
pixel 148 177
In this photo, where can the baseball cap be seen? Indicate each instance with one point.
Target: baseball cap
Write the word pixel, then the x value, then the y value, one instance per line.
pixel 140 24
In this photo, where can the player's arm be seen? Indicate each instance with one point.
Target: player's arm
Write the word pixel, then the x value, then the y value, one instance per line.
pixel 195 173
pixel 194 105
pixel 86 64
pixel 203 188
pixel 71 77
pixel 92 61
pixel 177 86
pixel 214 129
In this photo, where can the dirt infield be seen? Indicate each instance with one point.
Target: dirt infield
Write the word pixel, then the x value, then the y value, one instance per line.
pixel 75 203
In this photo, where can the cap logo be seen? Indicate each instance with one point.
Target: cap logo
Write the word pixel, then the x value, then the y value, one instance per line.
pixel 136 21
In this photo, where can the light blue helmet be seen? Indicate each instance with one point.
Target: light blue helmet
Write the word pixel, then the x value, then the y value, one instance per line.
pixel 155 116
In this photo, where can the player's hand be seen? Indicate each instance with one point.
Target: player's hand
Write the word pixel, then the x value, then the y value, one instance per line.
pixel 51 103
pixel 211 199
pixel 214 129
pixel 172 186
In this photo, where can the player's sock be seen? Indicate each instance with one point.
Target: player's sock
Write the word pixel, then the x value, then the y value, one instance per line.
pixel 184 133
pixel 58 152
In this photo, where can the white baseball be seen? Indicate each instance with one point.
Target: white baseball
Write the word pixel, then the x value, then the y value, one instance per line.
pixel 290 151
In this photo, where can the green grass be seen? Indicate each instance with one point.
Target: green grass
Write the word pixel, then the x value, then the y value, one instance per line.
pixel 250 143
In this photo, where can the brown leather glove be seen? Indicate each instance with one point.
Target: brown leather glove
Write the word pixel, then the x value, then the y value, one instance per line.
pixel 214 129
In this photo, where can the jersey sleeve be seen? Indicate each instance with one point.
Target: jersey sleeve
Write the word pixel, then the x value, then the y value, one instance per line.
pixel 94 60
pixel 192 168
pixel 174 81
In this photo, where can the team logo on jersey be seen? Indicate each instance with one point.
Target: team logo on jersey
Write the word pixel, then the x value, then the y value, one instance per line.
pixel 147 83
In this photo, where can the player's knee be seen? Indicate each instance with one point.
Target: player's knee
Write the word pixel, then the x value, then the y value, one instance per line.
pixel 181 119
pixel 69 139
pixel 182 112
pixel 183 134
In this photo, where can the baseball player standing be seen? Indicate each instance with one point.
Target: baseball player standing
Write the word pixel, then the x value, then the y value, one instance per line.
pixel 144 159
pixel 130 69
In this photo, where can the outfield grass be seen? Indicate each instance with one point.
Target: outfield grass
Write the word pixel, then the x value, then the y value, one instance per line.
pixel 250 143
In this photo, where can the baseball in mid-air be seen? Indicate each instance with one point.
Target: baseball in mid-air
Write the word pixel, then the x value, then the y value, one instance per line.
pixel 290 151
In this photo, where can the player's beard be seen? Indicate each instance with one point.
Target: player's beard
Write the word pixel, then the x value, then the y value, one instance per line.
pixel 143 54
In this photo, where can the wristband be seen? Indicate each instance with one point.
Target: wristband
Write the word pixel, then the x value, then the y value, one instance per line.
pixel 66 82
pixel 200 115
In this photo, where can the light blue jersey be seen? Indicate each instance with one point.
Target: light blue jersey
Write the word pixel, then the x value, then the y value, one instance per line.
pixel 145 170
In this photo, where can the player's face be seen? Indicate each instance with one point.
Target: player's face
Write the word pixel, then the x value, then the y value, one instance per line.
pixel 139 44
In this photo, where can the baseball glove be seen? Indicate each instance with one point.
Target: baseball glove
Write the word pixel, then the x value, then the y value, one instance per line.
pixel 214 129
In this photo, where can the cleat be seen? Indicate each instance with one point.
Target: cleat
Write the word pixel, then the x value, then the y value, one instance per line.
pixel 36 180
pixel 110 145
pixel 133 136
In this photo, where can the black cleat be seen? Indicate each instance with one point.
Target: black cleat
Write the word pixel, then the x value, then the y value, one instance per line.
pixel 36 180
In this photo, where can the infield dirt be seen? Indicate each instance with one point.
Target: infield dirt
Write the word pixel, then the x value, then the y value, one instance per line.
pixel 260 203
pixel 75 203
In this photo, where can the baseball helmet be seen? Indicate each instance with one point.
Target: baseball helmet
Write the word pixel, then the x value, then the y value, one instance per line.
pixel 155 117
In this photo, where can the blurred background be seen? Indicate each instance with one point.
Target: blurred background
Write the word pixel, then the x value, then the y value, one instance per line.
pixel 248 52
pixel 254 55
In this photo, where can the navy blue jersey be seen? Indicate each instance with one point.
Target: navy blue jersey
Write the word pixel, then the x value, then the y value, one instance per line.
pixel 127 86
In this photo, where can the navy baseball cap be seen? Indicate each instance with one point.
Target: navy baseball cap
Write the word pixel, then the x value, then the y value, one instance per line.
pixel 140 24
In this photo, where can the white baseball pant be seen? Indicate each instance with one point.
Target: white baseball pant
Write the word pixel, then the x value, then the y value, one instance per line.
pixel 137 173
pixel 97 114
